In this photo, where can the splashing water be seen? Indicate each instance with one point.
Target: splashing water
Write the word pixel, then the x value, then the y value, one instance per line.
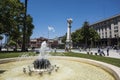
pixel 42 63
pixel 43 50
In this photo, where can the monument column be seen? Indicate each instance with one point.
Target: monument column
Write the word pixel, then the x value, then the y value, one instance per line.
pixel 68 45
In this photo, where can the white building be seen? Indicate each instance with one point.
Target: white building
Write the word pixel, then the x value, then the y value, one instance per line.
pixel 109 30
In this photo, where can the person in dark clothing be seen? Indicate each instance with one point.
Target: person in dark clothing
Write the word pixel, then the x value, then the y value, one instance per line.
pixel 99 50
pixel 107 51
pixel 102 53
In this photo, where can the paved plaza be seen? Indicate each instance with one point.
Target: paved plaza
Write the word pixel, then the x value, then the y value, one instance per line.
pixel 112 53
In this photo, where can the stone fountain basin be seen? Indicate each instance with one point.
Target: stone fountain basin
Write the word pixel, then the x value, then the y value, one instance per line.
pixel 110 69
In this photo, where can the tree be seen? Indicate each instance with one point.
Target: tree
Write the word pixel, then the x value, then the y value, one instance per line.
pixel 64 38
pixel 94 35
pixel 29 29
pixel 77 37
pixel 85 36
pixel 85 33
pixel 12 44
pixel 12 18
pixel 9 11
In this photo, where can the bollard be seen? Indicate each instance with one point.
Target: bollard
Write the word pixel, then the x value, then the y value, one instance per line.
pixel 49 72
pixel 56 70
pixel 24 70
pixel 57 67
pixel 41 73
pixel 88 53
pixel 91 53
pixel 30 73
pixel 95 53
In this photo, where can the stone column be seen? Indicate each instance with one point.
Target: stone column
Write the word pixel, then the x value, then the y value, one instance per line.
pixel 108 32
pixel 118 33
pixel 119 29
pixel 108 36
pixel 68 40
pixel 104 35
pixel 101 33
pixel 112 30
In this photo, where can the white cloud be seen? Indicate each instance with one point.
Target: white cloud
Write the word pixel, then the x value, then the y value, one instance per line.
pixel 51 29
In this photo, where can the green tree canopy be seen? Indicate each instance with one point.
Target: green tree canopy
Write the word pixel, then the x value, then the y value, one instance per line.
pixel 77 37
pixel 84 35
pixel 12 14
pixel 1 37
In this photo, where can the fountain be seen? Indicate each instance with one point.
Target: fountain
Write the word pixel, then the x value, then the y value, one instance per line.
pixel 41 64
pixel 43 67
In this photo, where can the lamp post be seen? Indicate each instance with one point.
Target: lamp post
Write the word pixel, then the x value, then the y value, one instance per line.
pixel 24 29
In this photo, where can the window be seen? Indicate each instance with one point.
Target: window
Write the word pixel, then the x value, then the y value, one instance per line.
pixel 115 31
pixel 110 36
pixel 102 36
pixel 115 21
pixel 109 27
pixel 118 18
pixel 105 34
pixel 116 27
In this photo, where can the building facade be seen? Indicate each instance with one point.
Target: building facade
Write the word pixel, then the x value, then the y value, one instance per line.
pixel 109 31
pixel 36 43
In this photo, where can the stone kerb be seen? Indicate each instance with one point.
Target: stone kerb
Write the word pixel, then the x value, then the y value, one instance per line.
pixel 113 70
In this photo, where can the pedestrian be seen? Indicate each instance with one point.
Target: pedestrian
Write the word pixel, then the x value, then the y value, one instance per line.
pixel 79 49
pixel 102 53
pixel 98 50
pixel 54 50
pixel 107 51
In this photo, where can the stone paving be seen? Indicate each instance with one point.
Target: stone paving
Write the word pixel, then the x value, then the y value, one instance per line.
pixel 112 53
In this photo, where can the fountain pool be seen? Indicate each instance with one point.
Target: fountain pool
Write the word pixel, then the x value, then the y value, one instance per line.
pixel 70 69
pixel 54 68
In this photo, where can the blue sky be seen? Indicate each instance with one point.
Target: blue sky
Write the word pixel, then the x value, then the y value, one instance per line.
pixel 56 12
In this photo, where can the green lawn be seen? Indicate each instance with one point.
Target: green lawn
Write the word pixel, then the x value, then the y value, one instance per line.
pixel 14 54
pixel 112 61
pixel 109 60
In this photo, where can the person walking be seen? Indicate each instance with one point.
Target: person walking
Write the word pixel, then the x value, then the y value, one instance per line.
pixel 99 50
pixel 107 51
